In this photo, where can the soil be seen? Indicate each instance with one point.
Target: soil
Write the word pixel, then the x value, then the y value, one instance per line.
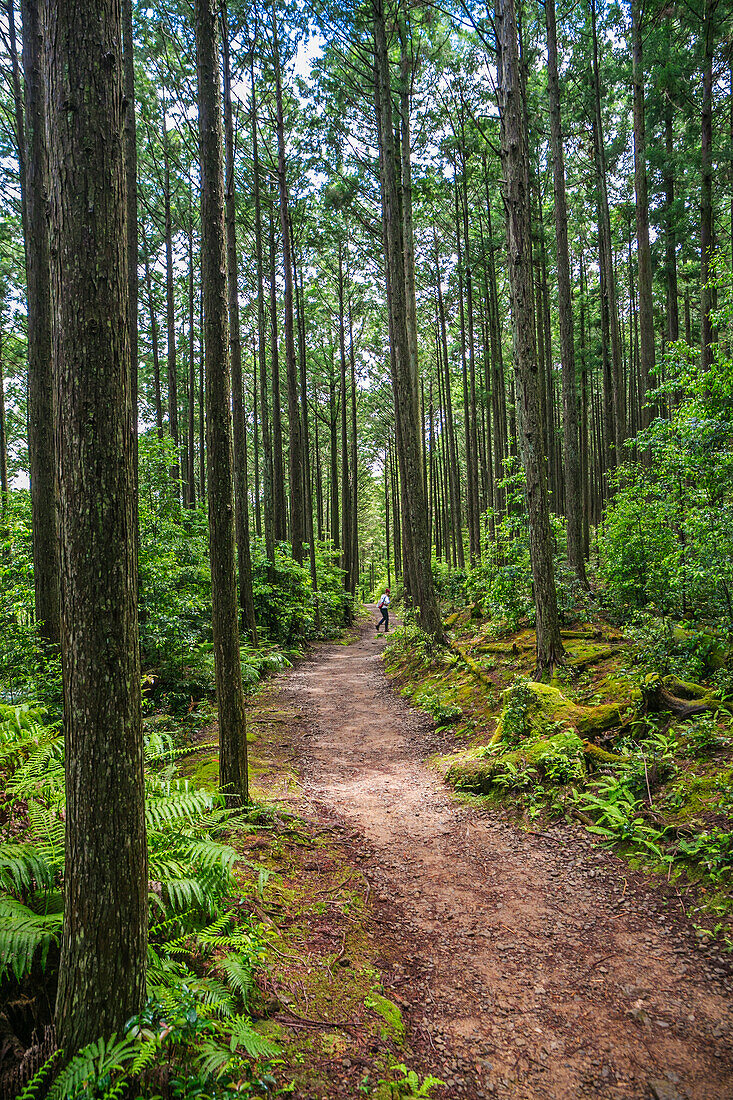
pixel 528 964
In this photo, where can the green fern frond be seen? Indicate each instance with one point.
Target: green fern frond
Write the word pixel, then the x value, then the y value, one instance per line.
pixel 245 1036
pixel 100 1058
pixel 211 854
pixel 169 804
pixel 22 934
pixel 238 970
pixel 213 1058
pixel 31 1090
pixel 24 868
pixel 184 893
pixel 215 997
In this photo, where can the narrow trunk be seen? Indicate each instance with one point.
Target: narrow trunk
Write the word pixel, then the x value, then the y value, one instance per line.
pixel 170 307
pixel 267 463
pixel 670 236
pixel 280 510
pixel 515 163
pixel 239 438
pixel 295 448
pixel 228 669
pixel 573 494
pixel 191 395
pixel 128 47
pixel 644 254
pixel 41 442
pixel 408 430
pixel 158 397
pixel 706 187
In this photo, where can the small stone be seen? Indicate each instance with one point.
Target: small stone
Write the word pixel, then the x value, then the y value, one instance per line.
pixel 664 1090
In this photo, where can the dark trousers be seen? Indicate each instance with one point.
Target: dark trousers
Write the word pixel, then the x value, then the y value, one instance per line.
pixel 384 619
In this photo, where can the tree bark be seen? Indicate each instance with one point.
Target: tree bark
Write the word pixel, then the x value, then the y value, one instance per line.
pixel 408 429
pixel 128 47
pixel 232 733
pixel 515 163
pixel 295 437
pixel 41 444
pixel 244 557
pixel 706 186
pixel 158 397
pixel 175 470
pixel 280 510
pixel 573 493
pixel 104 945
pixel 644 254
pixel 267 462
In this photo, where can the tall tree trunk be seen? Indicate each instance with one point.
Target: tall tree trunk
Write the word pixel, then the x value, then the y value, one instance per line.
pixel 616 413
pixel 228 669
pixel 3 429
pixel 345 503
pixel 646 314
pixel 453 472
pixel 354 502
pixel 295 447
pixel 41 443
pixel 244 558
pixel 573 493
pixel 175 471
pixel 128 47
pixel 280 511
pixel 267 459
pixel 104 944
pixel 202 402
pixel 706 185
pixel 408 430
pixel 517 200
pixel 158 397
pixel 191 388
pixel 307 479
pixel 256 445
pixel 670 236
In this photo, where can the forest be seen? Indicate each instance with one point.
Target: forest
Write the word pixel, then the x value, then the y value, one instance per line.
pixel 306 303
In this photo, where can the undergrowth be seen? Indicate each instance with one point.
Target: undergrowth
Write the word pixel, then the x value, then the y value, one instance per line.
pixel 195 1036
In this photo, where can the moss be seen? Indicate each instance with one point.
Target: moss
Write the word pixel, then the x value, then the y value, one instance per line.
pixel 393 1028
pixel 684 689
pixel 333 1044
pixel 546 706
pixel 692 795
pixel 205 773
pixel 558 757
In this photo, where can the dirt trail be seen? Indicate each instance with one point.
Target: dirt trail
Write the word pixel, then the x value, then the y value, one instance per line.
pixel 533 965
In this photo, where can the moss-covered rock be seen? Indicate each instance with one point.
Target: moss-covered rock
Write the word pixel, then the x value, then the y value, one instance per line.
pixel 532 710
pixel 562 758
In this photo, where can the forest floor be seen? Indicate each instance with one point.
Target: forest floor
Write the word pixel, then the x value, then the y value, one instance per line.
pixel 527 964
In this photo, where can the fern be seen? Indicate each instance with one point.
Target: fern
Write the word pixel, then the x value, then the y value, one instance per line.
pixel 238 970
pixel 245 1036
pixel 23 868
pixel 101 1058
pixel 31 1090
pixel 23 934
pixel 172 803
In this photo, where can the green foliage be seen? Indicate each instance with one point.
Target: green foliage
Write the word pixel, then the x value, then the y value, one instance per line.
pixel 27 669
pixel 713 850
pixel 667 541
pixel 444 713
pixel 518 703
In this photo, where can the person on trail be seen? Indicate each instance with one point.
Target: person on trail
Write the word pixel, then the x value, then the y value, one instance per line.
pixel 383 606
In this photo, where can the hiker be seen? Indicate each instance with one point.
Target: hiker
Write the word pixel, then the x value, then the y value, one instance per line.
pixel 383 606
